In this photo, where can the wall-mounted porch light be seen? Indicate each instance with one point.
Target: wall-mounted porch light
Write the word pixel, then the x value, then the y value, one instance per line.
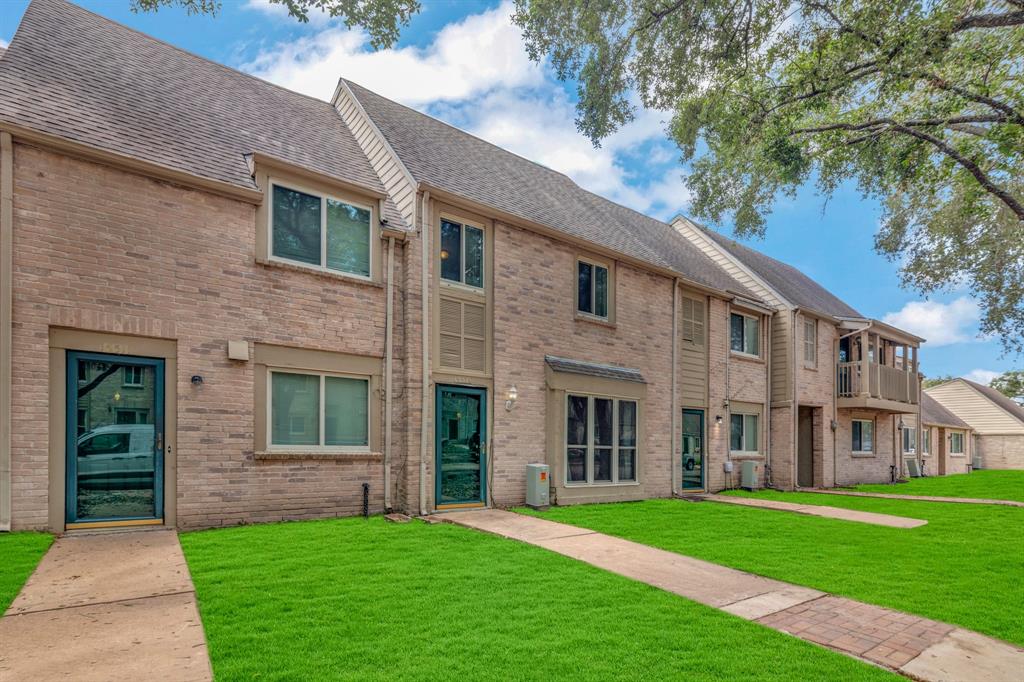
pixel 511 397
pixel 718 419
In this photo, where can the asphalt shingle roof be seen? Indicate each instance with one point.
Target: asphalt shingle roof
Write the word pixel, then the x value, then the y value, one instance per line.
pixel 593 369
pixel 74 74
pixel 795 286
pixel 932 412
pixel 445 157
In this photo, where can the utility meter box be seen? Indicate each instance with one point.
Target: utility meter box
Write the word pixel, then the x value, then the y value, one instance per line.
pixel 748 475
pixel 538 486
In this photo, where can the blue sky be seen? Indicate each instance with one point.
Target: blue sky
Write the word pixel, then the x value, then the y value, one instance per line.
pixel 462 61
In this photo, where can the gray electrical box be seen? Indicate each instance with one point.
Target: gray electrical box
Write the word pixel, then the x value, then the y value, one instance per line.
pixel 748 475
pixel 538 486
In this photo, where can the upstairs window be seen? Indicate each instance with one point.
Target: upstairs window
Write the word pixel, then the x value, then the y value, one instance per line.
pixel 692 323
pixel 810 343
pixel 744 334
pixel 592 288
pixel 743 433
pixel 462 254
pixel 320 231
pixel 132 375
pixel 863 435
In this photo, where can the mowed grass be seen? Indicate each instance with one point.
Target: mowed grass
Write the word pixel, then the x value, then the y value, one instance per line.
pixel 19 555
pixel 964 567
pixel 367 599
pixel 988 484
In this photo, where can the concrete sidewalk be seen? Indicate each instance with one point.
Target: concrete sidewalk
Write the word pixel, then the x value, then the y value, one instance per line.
pixel 916 498
pixel 921 648
pixel 873 518
pixel 107 606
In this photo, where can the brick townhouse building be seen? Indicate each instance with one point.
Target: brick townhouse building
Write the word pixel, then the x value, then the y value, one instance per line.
pixel 225 302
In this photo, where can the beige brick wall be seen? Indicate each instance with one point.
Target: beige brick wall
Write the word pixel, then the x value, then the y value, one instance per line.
pixel 1001 452
pixel 105 250
pixel 852 469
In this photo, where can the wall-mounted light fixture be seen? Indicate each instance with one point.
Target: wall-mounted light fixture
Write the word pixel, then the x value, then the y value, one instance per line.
pixel 834 424
pixel 197 380
pixel 718 419
pixel 444 254
pixel 511 397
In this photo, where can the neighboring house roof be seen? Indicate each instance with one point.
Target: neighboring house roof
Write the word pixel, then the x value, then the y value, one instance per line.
pixel 934 413
pixel 452 160
pixel 593 369
pixel 793 285
pixel 1008 404
pixel 74 74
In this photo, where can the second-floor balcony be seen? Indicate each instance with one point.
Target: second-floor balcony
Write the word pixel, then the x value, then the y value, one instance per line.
pixel 878 370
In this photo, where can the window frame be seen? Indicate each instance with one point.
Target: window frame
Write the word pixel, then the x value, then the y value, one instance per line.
pixel 926 441
pixel 323 196
pixel 744 438
pixel 132 384
pixel 594 263
pixel 953 436
pixel 909 440
pixel 463 223
pixel 862 421
pixel 811 325
pixel 745 316
pixel 615 447
pixel 320 447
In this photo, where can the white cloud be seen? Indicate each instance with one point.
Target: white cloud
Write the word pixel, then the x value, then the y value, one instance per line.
pixel 940 323
pixel 981 376
pixel 3 44
pixel 476 74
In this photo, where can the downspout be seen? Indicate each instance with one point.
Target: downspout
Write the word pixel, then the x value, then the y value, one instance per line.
pixel 728 391
pixel 388 352
pixel 794 406
pixel 835 413
pixel 675 386
pixel 425 333
pixel 6 302
pixel 768 404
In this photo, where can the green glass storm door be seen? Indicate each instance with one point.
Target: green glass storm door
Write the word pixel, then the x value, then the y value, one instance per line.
pixel 461 446
pixel 693 449
pixel 115 434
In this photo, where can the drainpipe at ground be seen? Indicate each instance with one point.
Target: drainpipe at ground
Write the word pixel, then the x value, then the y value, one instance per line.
pixel 425 333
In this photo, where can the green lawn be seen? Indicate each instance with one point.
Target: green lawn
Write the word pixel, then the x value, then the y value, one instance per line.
pixel 366 599
pixel 964 567
pixel 20 554
pixel 988 484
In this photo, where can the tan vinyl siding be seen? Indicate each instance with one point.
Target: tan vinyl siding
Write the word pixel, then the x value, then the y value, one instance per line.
pixel 782 370
pixel 693 358
pixel 392 174
pixel 984 416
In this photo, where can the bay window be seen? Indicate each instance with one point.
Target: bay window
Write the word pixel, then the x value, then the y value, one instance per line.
pixel 600 440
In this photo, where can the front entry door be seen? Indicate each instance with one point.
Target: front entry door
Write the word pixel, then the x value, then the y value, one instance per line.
pixel 693 449
pixel 115 433
pixel 461 446
pixel 805 448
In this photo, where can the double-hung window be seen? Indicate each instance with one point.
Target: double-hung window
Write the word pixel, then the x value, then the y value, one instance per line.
pixel 600 440
pixel 744 334
pixel 956 443
pixel 462 254
pixel 592 283
pixel 909 440
pixel 319 411
pixel 863 431
pixel 743 433
pixel 811 343
pixel 320 231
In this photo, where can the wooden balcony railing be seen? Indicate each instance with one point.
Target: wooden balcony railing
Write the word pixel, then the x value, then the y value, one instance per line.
pixel 888 383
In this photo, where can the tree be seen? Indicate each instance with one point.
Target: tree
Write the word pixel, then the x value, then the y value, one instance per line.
pixel 935 381
pixel 1010 384
pixel 382 19
pixel 920 104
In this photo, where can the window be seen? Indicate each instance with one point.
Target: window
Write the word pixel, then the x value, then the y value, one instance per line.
pixel 692 327
pixel 320 231
pixel 82 417
pixel 319 411
pixel 592 288
pixel 744 334
pixel 600 440
pixel 132 416
pixel 83 371
pixel 743 433
pixel 909 439
pixel 811 343
pixel 956 443
pixel 926 441
pixel 462 254
pixel 132 375
pixel 863 435
pixel 105 444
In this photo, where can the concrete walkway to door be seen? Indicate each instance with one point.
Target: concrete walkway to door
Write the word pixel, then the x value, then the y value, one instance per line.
pixel 107 606
pixel 921 648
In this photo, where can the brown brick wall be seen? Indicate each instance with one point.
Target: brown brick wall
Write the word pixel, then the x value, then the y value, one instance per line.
pixel 1001 452
pixel 105 250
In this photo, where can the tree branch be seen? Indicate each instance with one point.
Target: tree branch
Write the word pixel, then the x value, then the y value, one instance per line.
pixel 918 122
pixel 989 21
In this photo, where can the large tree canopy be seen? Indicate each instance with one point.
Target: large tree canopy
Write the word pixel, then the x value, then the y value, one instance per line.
pixel 920 104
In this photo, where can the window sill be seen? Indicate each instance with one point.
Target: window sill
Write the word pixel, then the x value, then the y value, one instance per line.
pixel 958 455
pixel 314 455
pixel 857 453
pixel 317 272
pixel 601 484
pixel 745 455
pixel 463 288
pixel 601 321
pixel 746 357
pixel 811 368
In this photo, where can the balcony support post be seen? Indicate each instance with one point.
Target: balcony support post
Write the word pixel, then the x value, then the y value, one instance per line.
pixel 865 367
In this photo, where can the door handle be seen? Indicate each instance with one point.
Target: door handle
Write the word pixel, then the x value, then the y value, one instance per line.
pixel 159 441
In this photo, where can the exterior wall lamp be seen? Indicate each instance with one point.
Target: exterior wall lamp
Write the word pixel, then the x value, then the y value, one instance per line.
pixel 511 397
